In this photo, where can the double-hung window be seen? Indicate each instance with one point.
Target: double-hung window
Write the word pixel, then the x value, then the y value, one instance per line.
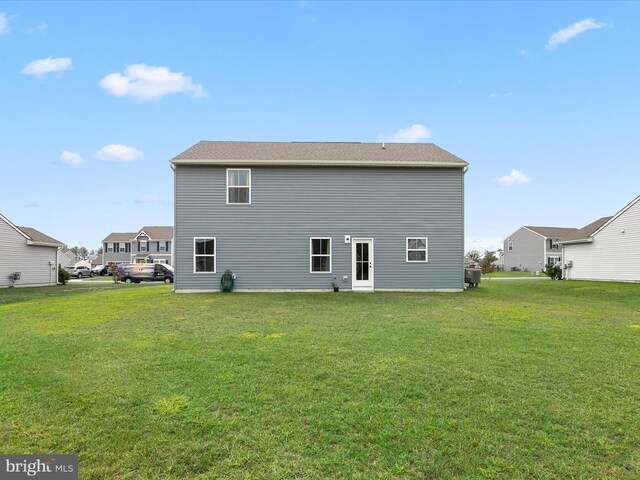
pixel 417 249
pixel 510 245
pixel 238 185
pixel 320 255
pixel 110 247
pixel 204 255
pixel 143 245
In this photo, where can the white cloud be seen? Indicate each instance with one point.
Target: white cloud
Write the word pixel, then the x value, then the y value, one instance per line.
pixel 516 176
pixel 501 95
pixel 71 158
pixel 413 134
pixel 41 27
pixel 5 27
pixel 565 34
pixel 47 65
pixel 118 153
pixel 144 82
pixel 482 243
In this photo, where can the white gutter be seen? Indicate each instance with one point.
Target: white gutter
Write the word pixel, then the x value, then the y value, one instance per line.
pixel 43 244
pixel 582 240
pixel 316 163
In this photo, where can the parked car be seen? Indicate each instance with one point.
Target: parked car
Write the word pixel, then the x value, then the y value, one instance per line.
pixel 79 271
pixel 105 270
pixel 145 272
pixel 96 270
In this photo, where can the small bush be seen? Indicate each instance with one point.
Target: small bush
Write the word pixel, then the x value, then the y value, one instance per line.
pixel 63 275
pixel 554 272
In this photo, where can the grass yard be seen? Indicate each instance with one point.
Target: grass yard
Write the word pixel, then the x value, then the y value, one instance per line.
pixel 511 275
pixel 508 380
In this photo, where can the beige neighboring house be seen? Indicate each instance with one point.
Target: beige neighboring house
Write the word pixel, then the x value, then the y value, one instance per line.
pixel 67 258
pixel 150 244
pixel 608 249
pixel 97 260
pixel 83 263
pixel 29 253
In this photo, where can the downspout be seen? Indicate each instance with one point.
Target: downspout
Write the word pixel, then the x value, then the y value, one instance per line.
pixel 464 171
pixel 175 228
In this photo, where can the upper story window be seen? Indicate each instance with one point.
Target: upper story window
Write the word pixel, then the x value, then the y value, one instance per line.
pixel 510 245
pixel 320 255
pixel 238 185
pixel 162 246
pixel 417 249
pixel 109 247
pixel 143 245
pixel 553 244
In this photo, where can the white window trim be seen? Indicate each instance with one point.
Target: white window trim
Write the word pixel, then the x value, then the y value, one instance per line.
pixel 144 243
pixel 236 186
pixel 557 257
pixel 510 246
pixel 215 254
pixel 160 260
pixel 110 247
pixel 311 254
pixel 426 249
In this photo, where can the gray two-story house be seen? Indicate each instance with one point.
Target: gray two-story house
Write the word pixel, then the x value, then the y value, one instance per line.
pixel 301 216
pixel 151 244
pixel 532 248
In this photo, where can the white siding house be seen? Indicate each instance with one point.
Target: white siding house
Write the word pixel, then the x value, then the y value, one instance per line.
pixel 27 251
pixel 612 252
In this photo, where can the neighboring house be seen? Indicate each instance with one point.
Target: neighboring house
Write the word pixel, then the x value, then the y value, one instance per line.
pixel 83 263
pixel 152 245
pixel 27 251
pixel 299 216
pixel 532 248
pixel 97 260
pixel 608 249
pixel 147 245
pixel 67 258
pixel 116 247
pixel 470 262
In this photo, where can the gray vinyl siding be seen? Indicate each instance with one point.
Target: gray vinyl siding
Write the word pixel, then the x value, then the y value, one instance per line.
pixel 267 243
pixel 528 251
pixel 31 261
pixel 115 256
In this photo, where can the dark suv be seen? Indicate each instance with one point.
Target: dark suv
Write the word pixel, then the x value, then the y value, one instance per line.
pixel 145 272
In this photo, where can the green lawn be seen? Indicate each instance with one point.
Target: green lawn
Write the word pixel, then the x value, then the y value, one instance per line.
pixel 512 275
pixel 508 380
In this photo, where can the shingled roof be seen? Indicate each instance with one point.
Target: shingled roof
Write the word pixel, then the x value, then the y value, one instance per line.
pixel 553 232
pixel 39 237
pixel 119 237
pixel 585 232
pixel 156 233
pixel 348 154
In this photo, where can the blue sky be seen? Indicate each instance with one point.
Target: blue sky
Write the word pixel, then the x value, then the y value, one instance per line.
pixel 542 99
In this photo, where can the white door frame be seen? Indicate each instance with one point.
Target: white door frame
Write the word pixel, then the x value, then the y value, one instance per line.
pixel 362 285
